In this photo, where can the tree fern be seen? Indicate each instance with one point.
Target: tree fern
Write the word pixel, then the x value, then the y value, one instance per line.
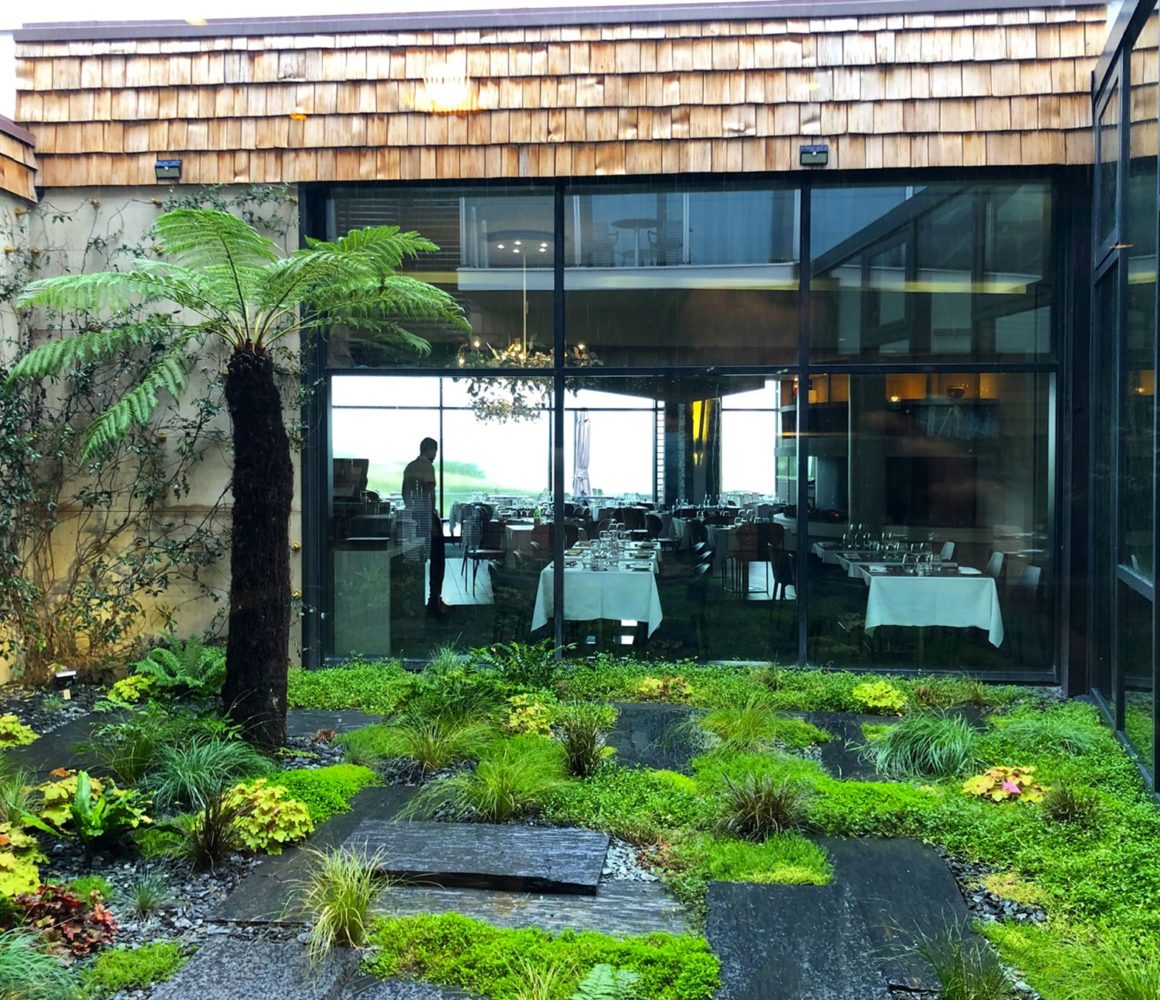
pixel 606 983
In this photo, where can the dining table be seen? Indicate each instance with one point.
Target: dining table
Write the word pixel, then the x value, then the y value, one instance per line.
pixel 950 597
pixel 626 591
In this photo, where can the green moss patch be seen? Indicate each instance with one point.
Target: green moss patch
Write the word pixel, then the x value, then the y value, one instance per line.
pixel 132 968
pixel 452 950
pixel 326 790
pixel 368 687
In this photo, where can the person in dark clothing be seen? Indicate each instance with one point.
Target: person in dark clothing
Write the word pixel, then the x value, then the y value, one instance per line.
pixel 419 497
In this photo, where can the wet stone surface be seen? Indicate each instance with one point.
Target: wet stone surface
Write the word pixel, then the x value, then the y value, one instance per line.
pixel 655 736
pixel 484 856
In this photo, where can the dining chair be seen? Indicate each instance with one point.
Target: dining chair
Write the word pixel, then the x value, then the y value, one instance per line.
pixel 481 541
pixel 994 567
pixel 948 551
pixel 1023 600
pixel 744 550
pixel 783 575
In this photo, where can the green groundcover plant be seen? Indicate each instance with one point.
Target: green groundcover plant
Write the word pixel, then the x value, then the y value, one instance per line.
pixel 132 968
pixel 453 950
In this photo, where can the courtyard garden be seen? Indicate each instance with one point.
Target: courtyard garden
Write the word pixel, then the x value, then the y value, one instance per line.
pixel 139 833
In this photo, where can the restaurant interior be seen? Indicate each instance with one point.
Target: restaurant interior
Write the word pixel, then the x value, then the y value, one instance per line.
pixel 766 421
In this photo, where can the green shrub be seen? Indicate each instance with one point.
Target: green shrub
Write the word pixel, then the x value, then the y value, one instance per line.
pixel 454 691
pixel 1072 804
pixel 132 968
pixel 13 732
pixel 337 894
pixel 523 665
pixel 635 804
pixel 88 810
pixel 376 688
pixel 511 779
pixel 19 853
pixel 130 690
pixel 187 667
pixel 433 743
pixel 326 791
pixel 879 696
pixel 760 805
pixel 966 968
pixel 528 714
pixel 582 728
pixel 756 725
pixel 192 774
pixel 131 746
pixel 453 950
pixel 148 895
pixel 27 973
pixel 925 745
pixel 266 817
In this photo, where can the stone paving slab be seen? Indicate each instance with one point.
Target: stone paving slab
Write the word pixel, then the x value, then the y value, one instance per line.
pixel 791 942
pixel 903 891
pixel 484 856
pixel 61 747
pixel 619 907
pixel 841 756
pixel 265 895
pixel 654 736
pixel 232 969
pixel 304 722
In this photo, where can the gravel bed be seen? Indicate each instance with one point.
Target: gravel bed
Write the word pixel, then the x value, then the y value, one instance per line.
pixel 45 711
pixel 622 864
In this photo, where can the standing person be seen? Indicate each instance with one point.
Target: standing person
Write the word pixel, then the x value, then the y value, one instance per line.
pixel 419 497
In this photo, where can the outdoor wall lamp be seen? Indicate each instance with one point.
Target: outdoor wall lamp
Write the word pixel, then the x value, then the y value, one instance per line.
pixel 167 170
pixel 814 155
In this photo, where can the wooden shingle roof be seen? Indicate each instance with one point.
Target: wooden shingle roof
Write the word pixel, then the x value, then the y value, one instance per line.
pixel 17 160
pixel 985 88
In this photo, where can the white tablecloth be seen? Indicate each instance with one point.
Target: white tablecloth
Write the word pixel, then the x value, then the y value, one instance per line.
pixel 622 595
pixel 950 602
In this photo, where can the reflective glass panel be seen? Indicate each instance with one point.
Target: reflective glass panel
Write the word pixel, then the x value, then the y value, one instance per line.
pixel 929 540
pixel 1135 657
pixel 495 256
pixel 676 544
pixel 409 530
pixel 933 271
pixel 1138 385
pixel 665 276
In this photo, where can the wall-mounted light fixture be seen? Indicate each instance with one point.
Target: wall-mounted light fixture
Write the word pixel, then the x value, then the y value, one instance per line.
pixel 167 170
pixel 445 91
pixel 814 155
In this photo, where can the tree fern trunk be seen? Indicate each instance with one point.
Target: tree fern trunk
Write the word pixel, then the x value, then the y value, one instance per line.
pixel 258 648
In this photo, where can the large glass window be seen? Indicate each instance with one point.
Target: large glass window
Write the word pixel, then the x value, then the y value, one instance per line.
pixel 677 535
pixel 929 525
pixel 1108 165
pixel 490 477
pixel 495 256
pixel 682 276
pixel 931 271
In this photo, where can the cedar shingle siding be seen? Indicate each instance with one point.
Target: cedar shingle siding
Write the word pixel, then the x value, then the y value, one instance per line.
pixel 997 88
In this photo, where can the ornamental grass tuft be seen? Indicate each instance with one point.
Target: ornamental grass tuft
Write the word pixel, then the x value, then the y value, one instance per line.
pixel 925 745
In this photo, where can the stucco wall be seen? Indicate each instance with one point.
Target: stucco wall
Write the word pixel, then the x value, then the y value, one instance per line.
pixel 90 229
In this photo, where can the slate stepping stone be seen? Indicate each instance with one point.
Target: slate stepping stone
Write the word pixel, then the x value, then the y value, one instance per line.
pixel 620 908
pixel 903 891
pixel 840 755
pixel 655 736
pixel 229 968
pixel 483 856
pixel 265 896
pixel 60 748
pixel 302 722
pixel 791 942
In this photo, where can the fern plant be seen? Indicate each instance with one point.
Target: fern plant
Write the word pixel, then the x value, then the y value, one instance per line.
pixel 185 667
pixel 223 284
pixel 606 983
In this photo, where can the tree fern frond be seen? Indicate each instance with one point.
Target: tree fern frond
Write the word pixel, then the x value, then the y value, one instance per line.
pixel 170 374
pixel 200 238
pixel 394 297
pixel 383 248
pixel 55 356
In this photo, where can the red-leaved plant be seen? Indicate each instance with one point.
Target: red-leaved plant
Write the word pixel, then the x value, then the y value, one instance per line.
pixel 65 921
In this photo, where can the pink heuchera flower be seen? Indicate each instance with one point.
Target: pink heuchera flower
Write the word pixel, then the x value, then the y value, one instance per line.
pixel 1012 788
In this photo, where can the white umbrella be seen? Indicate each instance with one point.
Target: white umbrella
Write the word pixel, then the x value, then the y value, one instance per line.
pixel 581 487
